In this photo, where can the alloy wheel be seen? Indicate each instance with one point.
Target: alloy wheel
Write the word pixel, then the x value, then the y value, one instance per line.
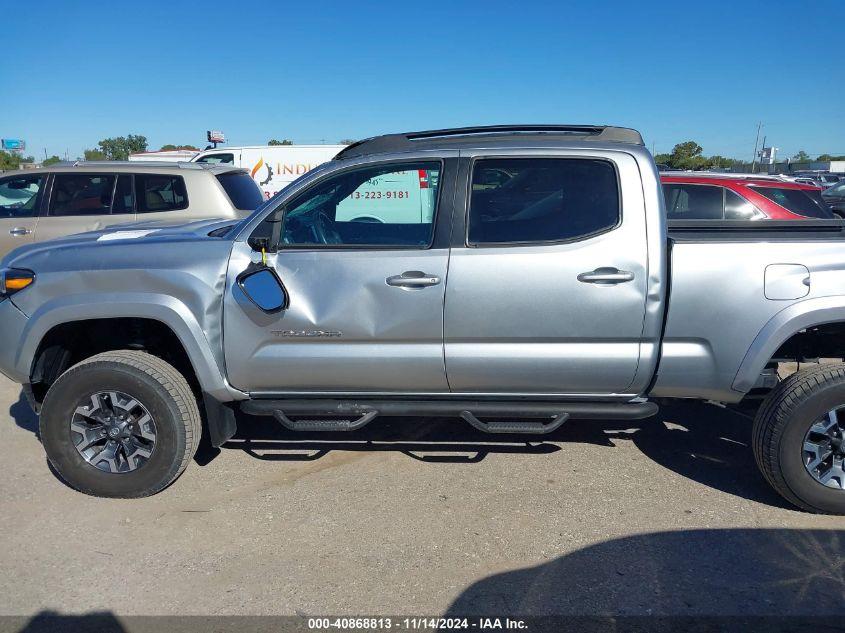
pixel 824 450
pixel 114 432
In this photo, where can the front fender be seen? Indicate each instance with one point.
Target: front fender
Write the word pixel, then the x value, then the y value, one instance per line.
pixel 779 329
pixel 166 309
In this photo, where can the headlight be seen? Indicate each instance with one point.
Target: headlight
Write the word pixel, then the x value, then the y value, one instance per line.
pixel 13 280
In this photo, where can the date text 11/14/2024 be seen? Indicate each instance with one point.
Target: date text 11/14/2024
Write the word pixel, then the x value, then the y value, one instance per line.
pixel 416 624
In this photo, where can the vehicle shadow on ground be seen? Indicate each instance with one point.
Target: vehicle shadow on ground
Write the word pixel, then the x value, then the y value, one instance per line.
pixel 692 573
pixel 706 443
pixel 55 622
pixel 23 415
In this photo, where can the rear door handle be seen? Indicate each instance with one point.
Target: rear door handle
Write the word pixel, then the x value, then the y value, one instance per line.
pixel 413 279
pixel 18 231
pixel 606 276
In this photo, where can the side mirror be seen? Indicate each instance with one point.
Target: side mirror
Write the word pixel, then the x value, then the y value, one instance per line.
pixel 263 287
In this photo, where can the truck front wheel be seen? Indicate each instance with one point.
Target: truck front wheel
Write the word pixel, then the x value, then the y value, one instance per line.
pixel 798 439
pixel 120 424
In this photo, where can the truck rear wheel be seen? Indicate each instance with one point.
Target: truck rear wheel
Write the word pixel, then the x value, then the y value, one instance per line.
pixel 120 424
pixel 798 439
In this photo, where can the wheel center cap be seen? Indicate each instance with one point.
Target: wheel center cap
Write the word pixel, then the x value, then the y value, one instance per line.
pixel 114 431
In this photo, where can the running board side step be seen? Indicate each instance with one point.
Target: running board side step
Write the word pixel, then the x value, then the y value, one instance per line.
pixel 351 415
pixel 533 428
pixel 326 424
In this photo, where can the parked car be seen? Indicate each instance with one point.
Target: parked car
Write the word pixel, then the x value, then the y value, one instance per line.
pixel 272 166
pixel 693 196
pixel 823 179
pixel 517 308
pixel 38 205
pixel 835 198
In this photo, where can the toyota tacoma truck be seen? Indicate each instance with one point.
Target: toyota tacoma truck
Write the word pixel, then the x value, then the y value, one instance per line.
pixel 517 277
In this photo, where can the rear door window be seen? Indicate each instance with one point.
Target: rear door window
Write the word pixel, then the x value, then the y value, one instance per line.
pixel 541 200
pixel 807 203
pixel 81 194
pixel 19 196
pixel 242 191
pixel 158 193
pixel 693 202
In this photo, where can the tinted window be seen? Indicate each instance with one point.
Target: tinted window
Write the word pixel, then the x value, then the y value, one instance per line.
pixel 797 201
pixel 124 196
pixel 242 191
pixel 81 194
pixel 517 200
pixel 378 206
pixel 216 159
pixel 738 208
pixel 160 193
pixel 19 196
pixel 693 202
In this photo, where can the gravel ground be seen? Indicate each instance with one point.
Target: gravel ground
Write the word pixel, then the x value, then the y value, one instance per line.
pixel 410 516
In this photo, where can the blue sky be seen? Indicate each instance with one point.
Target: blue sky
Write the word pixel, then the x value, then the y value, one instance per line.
pixel 76 72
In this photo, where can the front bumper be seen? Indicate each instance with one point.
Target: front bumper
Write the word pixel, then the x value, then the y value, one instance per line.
pixel 12 325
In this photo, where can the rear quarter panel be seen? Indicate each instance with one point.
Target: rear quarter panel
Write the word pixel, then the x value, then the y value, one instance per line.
pixel 712 346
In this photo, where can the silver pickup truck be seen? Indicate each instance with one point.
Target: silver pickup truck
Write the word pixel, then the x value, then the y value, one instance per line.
pixel 518 277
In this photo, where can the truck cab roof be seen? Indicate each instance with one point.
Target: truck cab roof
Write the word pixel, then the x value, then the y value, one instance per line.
pixel 494 135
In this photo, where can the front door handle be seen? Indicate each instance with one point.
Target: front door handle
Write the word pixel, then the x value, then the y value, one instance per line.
pixel 19 231
pixel 606 276
pixel 413 279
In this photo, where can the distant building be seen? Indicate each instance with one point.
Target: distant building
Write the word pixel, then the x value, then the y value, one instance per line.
pixel 833 166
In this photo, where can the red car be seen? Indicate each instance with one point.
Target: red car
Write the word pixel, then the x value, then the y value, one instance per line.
pixel 736 197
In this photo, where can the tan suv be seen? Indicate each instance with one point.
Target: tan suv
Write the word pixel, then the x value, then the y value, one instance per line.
pixel 73 198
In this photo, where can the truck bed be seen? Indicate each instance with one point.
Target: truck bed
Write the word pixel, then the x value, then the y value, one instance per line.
pixel 737 291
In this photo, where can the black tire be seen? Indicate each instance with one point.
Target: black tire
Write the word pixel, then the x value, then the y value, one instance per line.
pixel 168 399
pixel 779 430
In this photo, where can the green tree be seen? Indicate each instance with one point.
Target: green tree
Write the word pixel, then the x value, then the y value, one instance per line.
pixel 346 141
pixel 119 147
pixel 687 155
pixel 170 147
pixel 273 141
pixel 51 161
pixel 828 157
pixel 722 162
pixel 801 157
pixel 9 160
pixel 95 154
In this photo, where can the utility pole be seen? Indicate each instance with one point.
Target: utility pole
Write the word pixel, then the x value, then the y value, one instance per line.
pixel 757 140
